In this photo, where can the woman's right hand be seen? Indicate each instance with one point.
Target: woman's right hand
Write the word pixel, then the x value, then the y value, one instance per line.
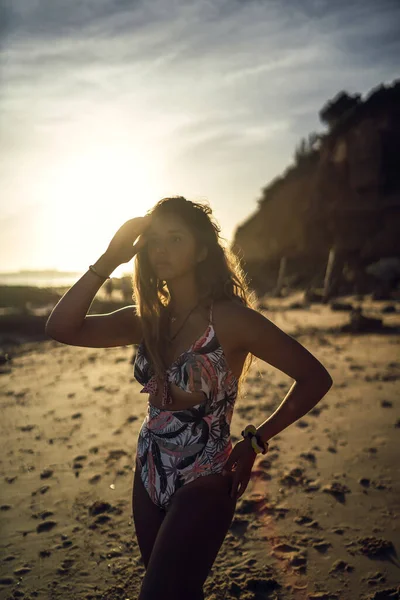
pixel 121 249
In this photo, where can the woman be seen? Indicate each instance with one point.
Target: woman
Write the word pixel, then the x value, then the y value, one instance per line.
pixel 198 331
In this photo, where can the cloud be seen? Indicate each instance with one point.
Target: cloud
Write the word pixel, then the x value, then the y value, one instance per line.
pixel 210 86
pixel 274 59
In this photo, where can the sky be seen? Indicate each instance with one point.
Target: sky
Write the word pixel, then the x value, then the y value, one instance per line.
pixel 107 106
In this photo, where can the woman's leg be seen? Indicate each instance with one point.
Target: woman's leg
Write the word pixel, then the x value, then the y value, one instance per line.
pixel 147 517
pixel 189 539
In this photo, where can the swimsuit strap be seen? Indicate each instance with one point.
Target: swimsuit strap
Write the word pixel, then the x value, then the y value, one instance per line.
pixel 211 312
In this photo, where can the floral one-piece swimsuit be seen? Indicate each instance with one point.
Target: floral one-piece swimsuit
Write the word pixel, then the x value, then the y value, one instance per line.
pixel 177 446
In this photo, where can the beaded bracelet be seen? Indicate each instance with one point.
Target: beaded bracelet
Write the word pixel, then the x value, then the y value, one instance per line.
pixel 91 268
pixel 257 444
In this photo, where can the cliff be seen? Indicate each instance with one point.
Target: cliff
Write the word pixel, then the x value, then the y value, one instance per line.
pixel 342 193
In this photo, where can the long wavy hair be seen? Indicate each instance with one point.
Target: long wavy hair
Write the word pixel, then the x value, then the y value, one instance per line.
pixel 219 276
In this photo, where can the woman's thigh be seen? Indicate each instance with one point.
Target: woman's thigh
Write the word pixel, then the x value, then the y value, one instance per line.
pixel 147 517
pixel 189 539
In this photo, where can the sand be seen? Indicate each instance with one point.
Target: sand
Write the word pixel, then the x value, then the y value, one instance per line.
pixel 319 518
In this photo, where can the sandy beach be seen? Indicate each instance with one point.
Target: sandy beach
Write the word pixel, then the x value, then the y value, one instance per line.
pixel 319 518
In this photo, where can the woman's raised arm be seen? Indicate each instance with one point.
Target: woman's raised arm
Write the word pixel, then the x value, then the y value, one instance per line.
pixel 68 322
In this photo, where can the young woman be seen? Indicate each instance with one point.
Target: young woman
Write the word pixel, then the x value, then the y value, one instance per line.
pixel 198 330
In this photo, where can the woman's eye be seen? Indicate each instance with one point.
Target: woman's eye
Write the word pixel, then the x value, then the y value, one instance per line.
pixel 154 241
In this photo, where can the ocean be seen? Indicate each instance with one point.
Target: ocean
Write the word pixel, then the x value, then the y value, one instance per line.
pixel 39 280
pixel 44 279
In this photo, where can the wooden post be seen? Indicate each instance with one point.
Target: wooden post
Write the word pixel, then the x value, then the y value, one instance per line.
pixel 333 274
pixel 281 275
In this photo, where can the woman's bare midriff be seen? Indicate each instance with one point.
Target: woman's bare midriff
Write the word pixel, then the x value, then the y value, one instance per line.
pixel 181 399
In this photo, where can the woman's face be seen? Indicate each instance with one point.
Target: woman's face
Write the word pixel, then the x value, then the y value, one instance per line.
pixel 171 247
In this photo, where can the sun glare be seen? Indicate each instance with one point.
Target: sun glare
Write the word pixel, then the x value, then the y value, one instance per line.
pixel 91 195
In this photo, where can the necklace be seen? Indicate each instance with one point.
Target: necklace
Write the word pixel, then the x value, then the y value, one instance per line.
pixel 173 319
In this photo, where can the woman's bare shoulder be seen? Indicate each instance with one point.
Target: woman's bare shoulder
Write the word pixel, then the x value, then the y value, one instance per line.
pixel 229 314
pixel 232 308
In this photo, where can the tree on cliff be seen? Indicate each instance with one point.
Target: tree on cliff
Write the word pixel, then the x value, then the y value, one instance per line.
pixel 307 147
pixel 336 109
